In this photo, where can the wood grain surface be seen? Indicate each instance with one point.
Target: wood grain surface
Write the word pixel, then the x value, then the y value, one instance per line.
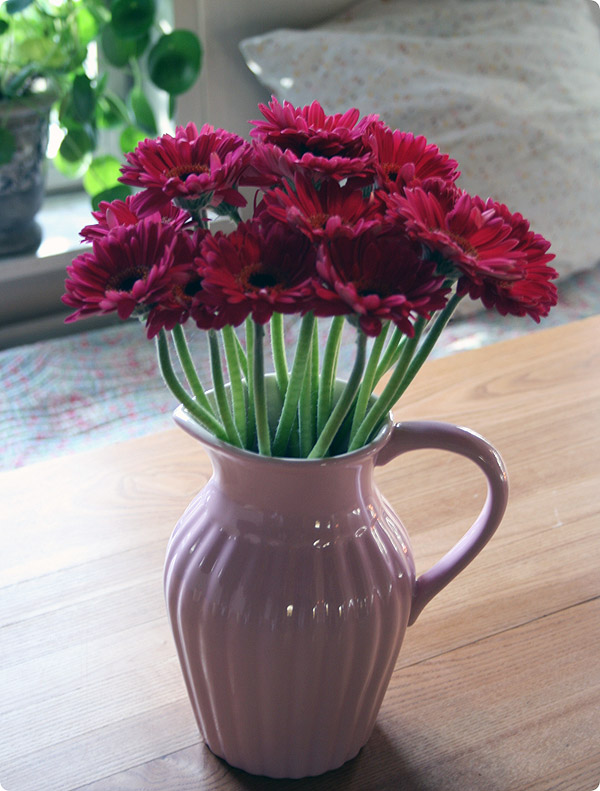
pixel 498 683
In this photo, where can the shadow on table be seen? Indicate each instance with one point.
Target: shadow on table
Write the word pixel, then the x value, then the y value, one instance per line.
pixel 379 766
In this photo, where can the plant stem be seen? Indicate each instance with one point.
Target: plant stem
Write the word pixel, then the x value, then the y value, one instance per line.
pixel 250 422
pixel 429 341
pixel 368 381
pixel 292 394
pixel 314 376
pixel 344 403
pixel 387 399
pixel 305 423
pixel 278 350
pixel 235 379
pixel 242 358
pixel 189 369
pixel 203 416
pixel 259 390
pixel 219 390
pixel 328 371
pixel 391 354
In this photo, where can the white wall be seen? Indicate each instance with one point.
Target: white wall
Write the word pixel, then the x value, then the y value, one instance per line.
pixel 227 93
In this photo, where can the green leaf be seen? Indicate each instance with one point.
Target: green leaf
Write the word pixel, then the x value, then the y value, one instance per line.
pixel 14 6
pixel 87 25
pixel 72 170
pixel 132 18
pixel 102 174
pixel 3 26
pixel 174 62
pixel 143 112
pixel 8 145
pixel 18 80
pixel 130 137
pixel 111 111
pixel 101 83
pixel 76 144
pixel 120 192
pixel 118 51
pixel 83 98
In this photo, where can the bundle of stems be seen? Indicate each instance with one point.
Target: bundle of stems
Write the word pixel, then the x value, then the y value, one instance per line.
pixel 314 422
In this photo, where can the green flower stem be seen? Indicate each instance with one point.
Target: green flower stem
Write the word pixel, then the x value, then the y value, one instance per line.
pixel 314 375
pixel 278 350
pixel 305 424
pixel 368 382
pixel 328 370
pixel 292 450
pixel 219 389
pixel 292 394
pixel 234 214
pixel 196 209
pixel 344 403
pixel 391 354
pixel 388 397
pixel 203 416
pixel 258 388
pixel 189 369
pixel 236 383
pixel 429 342
pixel 250 422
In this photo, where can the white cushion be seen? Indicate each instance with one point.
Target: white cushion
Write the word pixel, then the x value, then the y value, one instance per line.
pixel 509 88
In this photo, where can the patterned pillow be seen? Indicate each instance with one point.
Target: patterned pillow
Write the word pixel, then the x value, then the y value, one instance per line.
pixel 510 88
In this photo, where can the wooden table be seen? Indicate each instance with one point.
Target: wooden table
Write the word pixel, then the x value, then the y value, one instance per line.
pixel 498 683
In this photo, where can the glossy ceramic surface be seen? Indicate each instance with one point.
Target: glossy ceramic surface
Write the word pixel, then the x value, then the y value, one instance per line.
pixel 289 585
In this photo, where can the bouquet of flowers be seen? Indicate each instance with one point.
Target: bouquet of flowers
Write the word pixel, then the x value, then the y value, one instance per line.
pixel 351 222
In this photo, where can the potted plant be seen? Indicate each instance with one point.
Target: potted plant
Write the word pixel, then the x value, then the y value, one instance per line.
pixel 46 69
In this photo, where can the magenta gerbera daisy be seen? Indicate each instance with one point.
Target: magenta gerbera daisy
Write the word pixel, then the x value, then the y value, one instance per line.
pixel 257 270
pixel 129 269
pixel 307 139
pixel 376 278
pixel 111 214
pixel 184 299
pixel 325 211
pixel 195 168
pixel 401 158
pixel 531 293
pixel 459 228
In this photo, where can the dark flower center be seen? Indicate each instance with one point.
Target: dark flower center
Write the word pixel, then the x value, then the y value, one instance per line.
pixel 193 287
pixel 260 280
pixel 318 220
pixel 184 295
pixel 462 242
pixel 183 171
pixel 391 170
pixel 366 288
pixel 125 280
pixel 505 285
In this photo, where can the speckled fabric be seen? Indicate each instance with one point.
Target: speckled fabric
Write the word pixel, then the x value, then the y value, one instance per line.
pixel 510 88
pixel 80 392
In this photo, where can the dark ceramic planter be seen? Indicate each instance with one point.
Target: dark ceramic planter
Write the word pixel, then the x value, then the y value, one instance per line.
pixel 22 180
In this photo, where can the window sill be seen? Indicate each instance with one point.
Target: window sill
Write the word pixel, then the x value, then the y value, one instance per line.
pixel 31 285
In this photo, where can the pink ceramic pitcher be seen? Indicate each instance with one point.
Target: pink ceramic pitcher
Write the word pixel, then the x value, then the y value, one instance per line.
pixel 290 584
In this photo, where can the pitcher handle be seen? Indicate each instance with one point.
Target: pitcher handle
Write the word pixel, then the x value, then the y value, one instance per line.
pixel 417 435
